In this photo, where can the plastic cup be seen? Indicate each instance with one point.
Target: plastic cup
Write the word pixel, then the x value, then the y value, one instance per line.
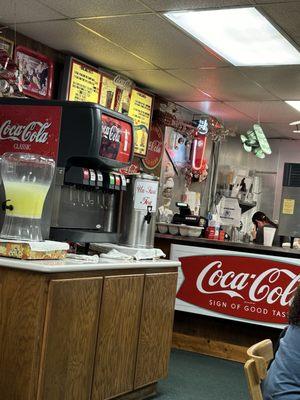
pixel 269 234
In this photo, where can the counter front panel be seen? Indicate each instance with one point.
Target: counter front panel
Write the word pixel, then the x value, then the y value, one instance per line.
pixel 245 287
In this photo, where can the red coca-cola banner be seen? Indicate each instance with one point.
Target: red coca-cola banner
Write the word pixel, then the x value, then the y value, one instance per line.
pixel 30 129
pixel 244 287
pixel 117 138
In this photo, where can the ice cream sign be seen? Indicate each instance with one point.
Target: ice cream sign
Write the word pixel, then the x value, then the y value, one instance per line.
pixel 145 194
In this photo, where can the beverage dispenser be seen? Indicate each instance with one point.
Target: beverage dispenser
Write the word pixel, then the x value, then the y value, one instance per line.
pixel 139 211
pixel 89 143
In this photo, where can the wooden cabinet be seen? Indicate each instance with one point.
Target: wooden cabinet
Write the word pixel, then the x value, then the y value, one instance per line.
pixel 118 336
pixel 84 335
pixel 156 328
pixel 70 335
pixel 22 304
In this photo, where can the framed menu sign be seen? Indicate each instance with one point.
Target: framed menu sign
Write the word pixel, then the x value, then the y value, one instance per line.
pixel 84 82
pixel 140 110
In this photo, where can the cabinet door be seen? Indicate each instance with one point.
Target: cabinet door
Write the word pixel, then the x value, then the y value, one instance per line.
pixel 118 336
pixel 156 328
pixel 69 339
pixel 23 297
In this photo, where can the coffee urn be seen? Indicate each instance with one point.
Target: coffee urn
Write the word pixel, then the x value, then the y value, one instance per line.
pixel 139 211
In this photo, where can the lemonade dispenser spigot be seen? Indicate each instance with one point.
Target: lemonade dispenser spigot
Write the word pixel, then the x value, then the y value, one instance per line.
pixel 26 179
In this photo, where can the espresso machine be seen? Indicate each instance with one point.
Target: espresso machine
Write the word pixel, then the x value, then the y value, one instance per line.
pixel 89 143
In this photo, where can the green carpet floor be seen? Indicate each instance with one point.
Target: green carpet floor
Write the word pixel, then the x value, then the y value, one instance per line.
pixel 196 377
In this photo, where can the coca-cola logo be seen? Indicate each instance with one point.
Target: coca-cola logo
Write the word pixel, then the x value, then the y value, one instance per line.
pixel 111 132
pixel 34 131
pixel 155 148
pixel 246 287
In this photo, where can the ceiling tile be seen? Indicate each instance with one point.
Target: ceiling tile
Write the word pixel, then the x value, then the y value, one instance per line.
pixel 218 109
pixel 69 36
pixel 168 5
pixel 155 39
pixel 286 16
pixel 279 131
pixel 267 111
pixel 95 8
pixel 26 11
pixel 283 82
pixel 165 85
pixel 224 84
pixel 276 1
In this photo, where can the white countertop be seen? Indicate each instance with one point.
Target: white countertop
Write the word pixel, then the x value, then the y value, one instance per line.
pixel 68 265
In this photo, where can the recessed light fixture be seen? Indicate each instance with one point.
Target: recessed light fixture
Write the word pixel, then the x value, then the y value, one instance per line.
pixel 243 36
pixel 294 103
pixel 296 131
pixel 294 123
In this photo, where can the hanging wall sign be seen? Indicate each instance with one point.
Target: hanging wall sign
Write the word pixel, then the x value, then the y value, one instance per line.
pixel 140 110
pixel 234 285
pixel 84 82
pixel 155 148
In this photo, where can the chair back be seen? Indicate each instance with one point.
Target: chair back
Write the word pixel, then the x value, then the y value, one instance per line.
pixel 260 355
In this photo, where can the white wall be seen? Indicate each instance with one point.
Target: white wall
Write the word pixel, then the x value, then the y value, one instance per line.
pixel 233 155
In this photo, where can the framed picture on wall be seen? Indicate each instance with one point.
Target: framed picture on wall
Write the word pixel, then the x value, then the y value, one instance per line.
pixel 37 71
pixel 7 45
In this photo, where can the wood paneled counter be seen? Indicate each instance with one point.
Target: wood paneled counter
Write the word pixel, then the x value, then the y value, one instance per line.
pixel 80 334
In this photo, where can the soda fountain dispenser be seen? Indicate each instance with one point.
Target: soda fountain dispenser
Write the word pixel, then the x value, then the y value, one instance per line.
pixel 89 144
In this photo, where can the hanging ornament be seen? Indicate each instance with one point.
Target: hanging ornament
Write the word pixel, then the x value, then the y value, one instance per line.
pixel 11 80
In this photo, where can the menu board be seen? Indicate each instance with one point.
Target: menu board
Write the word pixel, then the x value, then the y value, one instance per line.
pixel 108 93
pixel 140 110
pixel 84 82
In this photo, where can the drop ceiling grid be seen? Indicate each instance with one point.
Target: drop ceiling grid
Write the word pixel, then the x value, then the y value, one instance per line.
pixel 133 37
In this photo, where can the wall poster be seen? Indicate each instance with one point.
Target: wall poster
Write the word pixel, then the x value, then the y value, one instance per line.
pixel 140 110
pixel 84 82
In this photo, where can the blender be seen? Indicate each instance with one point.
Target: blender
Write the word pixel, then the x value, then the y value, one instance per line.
pixel 26 179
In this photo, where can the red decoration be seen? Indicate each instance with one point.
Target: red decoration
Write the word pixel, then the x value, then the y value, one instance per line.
pixel 155 148
pixel 244 287
pixel 37 71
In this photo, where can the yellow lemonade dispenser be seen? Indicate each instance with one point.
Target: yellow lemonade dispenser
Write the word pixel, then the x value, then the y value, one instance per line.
pixel 26 179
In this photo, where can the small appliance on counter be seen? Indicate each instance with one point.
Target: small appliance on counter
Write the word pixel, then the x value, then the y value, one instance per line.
pixel 185 216
pixel 138 216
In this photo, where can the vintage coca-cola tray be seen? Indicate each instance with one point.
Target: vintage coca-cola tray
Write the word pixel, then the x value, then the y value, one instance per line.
pixel 37 70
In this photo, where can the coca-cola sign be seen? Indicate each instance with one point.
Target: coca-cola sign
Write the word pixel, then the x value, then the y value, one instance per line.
pixel 30 129
pixel 245 287
pixel 155 148
pixel 116 139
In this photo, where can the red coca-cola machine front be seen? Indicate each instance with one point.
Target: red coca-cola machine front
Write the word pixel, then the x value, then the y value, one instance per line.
pixel 89 144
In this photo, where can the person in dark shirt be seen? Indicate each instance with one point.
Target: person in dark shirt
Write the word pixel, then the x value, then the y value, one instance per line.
pixel 283 378
pixel 260 220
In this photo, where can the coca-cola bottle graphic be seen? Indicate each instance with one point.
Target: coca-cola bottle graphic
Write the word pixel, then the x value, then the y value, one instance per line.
pixel 111 138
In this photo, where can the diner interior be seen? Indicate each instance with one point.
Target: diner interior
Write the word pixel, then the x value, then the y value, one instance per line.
pixel 193 77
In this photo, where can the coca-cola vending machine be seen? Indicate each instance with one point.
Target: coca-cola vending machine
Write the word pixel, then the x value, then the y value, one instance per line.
pixel 89 144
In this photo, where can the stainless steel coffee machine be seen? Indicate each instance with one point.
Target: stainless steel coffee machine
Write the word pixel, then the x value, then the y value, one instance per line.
pixel 139 211
pixel 89 143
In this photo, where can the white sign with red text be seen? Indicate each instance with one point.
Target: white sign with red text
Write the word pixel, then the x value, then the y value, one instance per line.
pixel 245 287
pixel 145 194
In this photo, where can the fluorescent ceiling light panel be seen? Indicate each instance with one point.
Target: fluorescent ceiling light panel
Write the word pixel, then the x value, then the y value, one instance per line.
pixel 295 123
pixel 294 104
pixel 243 36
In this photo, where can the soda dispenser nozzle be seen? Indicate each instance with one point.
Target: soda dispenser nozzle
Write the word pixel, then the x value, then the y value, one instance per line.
pixel 6 207
pixel 148 216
